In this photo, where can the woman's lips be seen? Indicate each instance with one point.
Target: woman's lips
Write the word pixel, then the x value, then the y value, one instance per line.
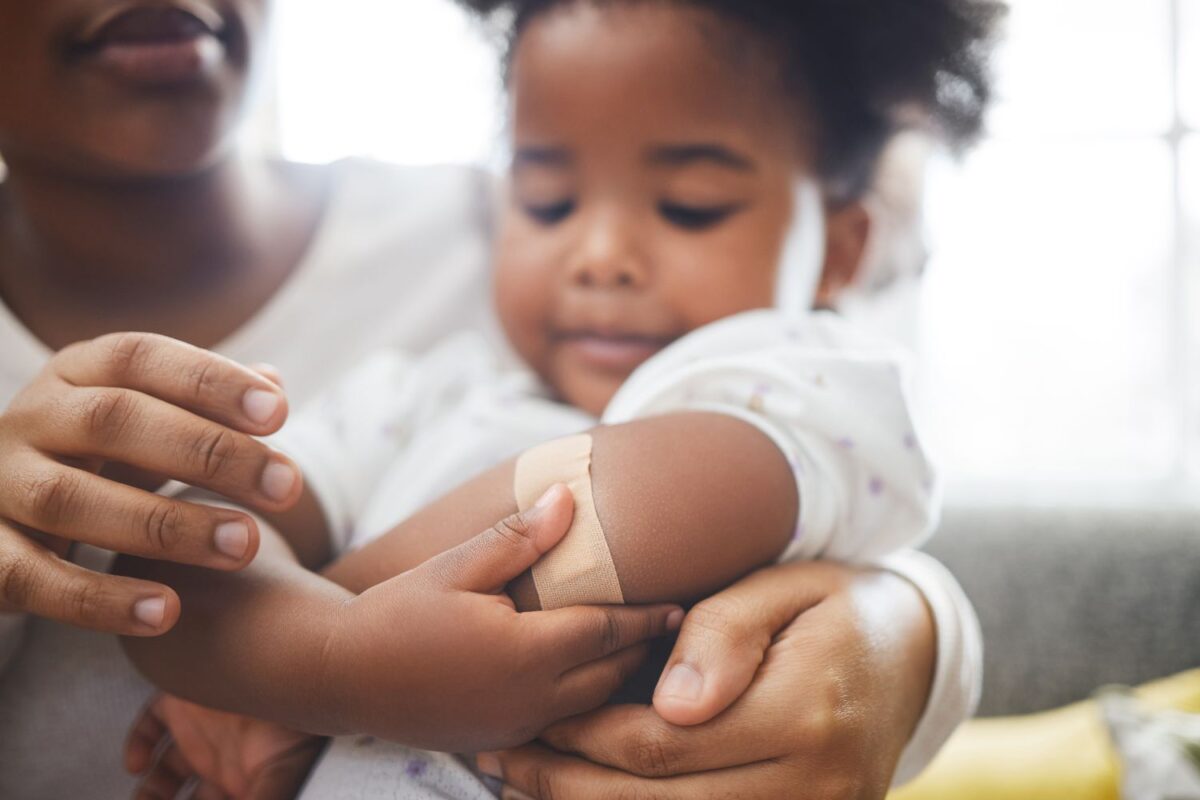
pixel 612 352
pixel 155 45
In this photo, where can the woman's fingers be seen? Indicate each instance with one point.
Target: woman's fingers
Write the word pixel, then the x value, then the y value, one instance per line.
pixel 489 561
pixel 542 774
pixel 144 739
pixel 179 374
pixel 723 639
pixel 36 581
pixel 635 739
pixel 59 500
pixel 166 778
pixel 133 428
pixel 582 634
pixel 284 775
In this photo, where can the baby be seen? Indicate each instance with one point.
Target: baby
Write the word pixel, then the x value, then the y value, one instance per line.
pixel 685 185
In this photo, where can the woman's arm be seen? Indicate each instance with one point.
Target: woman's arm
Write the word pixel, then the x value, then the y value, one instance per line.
pixel 162 408
pixel 670 492
pixel 841 661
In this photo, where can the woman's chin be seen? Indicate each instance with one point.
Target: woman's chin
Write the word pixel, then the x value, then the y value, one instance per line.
pixel 157 158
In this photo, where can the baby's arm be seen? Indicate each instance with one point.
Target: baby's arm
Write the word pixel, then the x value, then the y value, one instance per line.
pixel 688 503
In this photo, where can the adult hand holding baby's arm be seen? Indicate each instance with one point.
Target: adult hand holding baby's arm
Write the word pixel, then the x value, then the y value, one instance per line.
pixel 161 407
pixel 803 679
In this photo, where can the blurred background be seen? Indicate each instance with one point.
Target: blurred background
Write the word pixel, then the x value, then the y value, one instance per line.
pixel 1056 324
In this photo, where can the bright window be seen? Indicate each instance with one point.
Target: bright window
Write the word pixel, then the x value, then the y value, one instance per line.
pixel 1060 321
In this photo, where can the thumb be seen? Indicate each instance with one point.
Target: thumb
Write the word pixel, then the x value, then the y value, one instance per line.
pixel 496 556
pixel 269 372
pixel 723 642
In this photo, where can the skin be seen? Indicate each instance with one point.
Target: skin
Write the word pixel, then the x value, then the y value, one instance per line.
pixel 601 243
pixel 400 660
pixel 126 207
pixel 652 191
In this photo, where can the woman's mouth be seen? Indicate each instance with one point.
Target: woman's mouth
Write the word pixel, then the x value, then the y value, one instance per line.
pixel 612 352
pixel 154 44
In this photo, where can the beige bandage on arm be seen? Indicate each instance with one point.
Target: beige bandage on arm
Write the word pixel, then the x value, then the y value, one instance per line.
pixel 580 569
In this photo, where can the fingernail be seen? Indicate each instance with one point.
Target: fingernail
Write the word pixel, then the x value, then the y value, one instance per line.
pixel 675 620
pixel 233 539
pixel 683 683
pixel 278 480
pixel 260 405
pixel 547 499
pixel 489 764
pixel 150 611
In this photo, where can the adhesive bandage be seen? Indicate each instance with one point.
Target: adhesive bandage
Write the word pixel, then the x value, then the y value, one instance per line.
pixel 580 569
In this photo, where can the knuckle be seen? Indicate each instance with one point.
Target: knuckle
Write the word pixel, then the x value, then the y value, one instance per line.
pixel 652 753
pixel 543 780
pixel 204 379
pixel 80 600
pixel 50 498
pixel 125 353
pixel 609 630
pixel 105 414
pixel 514 530
pixel 820 728
pixel 164 527
pixel 215 451
pixel 631 792
pixel 720 617
pixel 18 579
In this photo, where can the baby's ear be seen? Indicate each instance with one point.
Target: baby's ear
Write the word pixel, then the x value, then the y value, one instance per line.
pixel 847 228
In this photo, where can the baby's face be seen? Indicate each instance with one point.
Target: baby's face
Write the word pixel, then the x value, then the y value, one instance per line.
pixel 652 189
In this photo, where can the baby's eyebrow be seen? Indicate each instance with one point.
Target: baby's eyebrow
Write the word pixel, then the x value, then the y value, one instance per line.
pixel 548 156
pixel 682 155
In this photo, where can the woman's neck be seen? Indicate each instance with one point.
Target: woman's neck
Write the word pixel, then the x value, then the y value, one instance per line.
pixel 81 256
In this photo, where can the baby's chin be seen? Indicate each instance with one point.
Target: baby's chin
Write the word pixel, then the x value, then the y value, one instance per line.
pixel 586 390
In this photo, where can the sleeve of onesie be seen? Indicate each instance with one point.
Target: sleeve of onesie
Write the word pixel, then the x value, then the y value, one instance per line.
pixel 835 404
pixel 346 438
pixel 958 674
pixel 348 435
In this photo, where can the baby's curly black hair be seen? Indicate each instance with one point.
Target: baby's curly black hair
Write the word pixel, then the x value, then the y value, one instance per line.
pixel 868 68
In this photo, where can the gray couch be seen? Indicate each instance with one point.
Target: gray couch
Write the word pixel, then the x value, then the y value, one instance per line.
pixel 1070 600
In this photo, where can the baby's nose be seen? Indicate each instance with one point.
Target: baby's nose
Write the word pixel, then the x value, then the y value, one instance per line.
pixel 608 259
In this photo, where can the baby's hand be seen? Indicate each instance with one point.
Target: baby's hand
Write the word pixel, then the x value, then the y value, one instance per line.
pixel 227 754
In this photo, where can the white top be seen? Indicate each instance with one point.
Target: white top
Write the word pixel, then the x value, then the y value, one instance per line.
pixel 401 259
pixel 400 431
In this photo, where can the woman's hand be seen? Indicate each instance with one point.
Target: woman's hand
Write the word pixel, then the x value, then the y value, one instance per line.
pixel 439 658
pixel 803 680
pixel 174 742
pixel 157 406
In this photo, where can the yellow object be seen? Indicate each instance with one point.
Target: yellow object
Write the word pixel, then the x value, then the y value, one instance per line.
pixel 1064 754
